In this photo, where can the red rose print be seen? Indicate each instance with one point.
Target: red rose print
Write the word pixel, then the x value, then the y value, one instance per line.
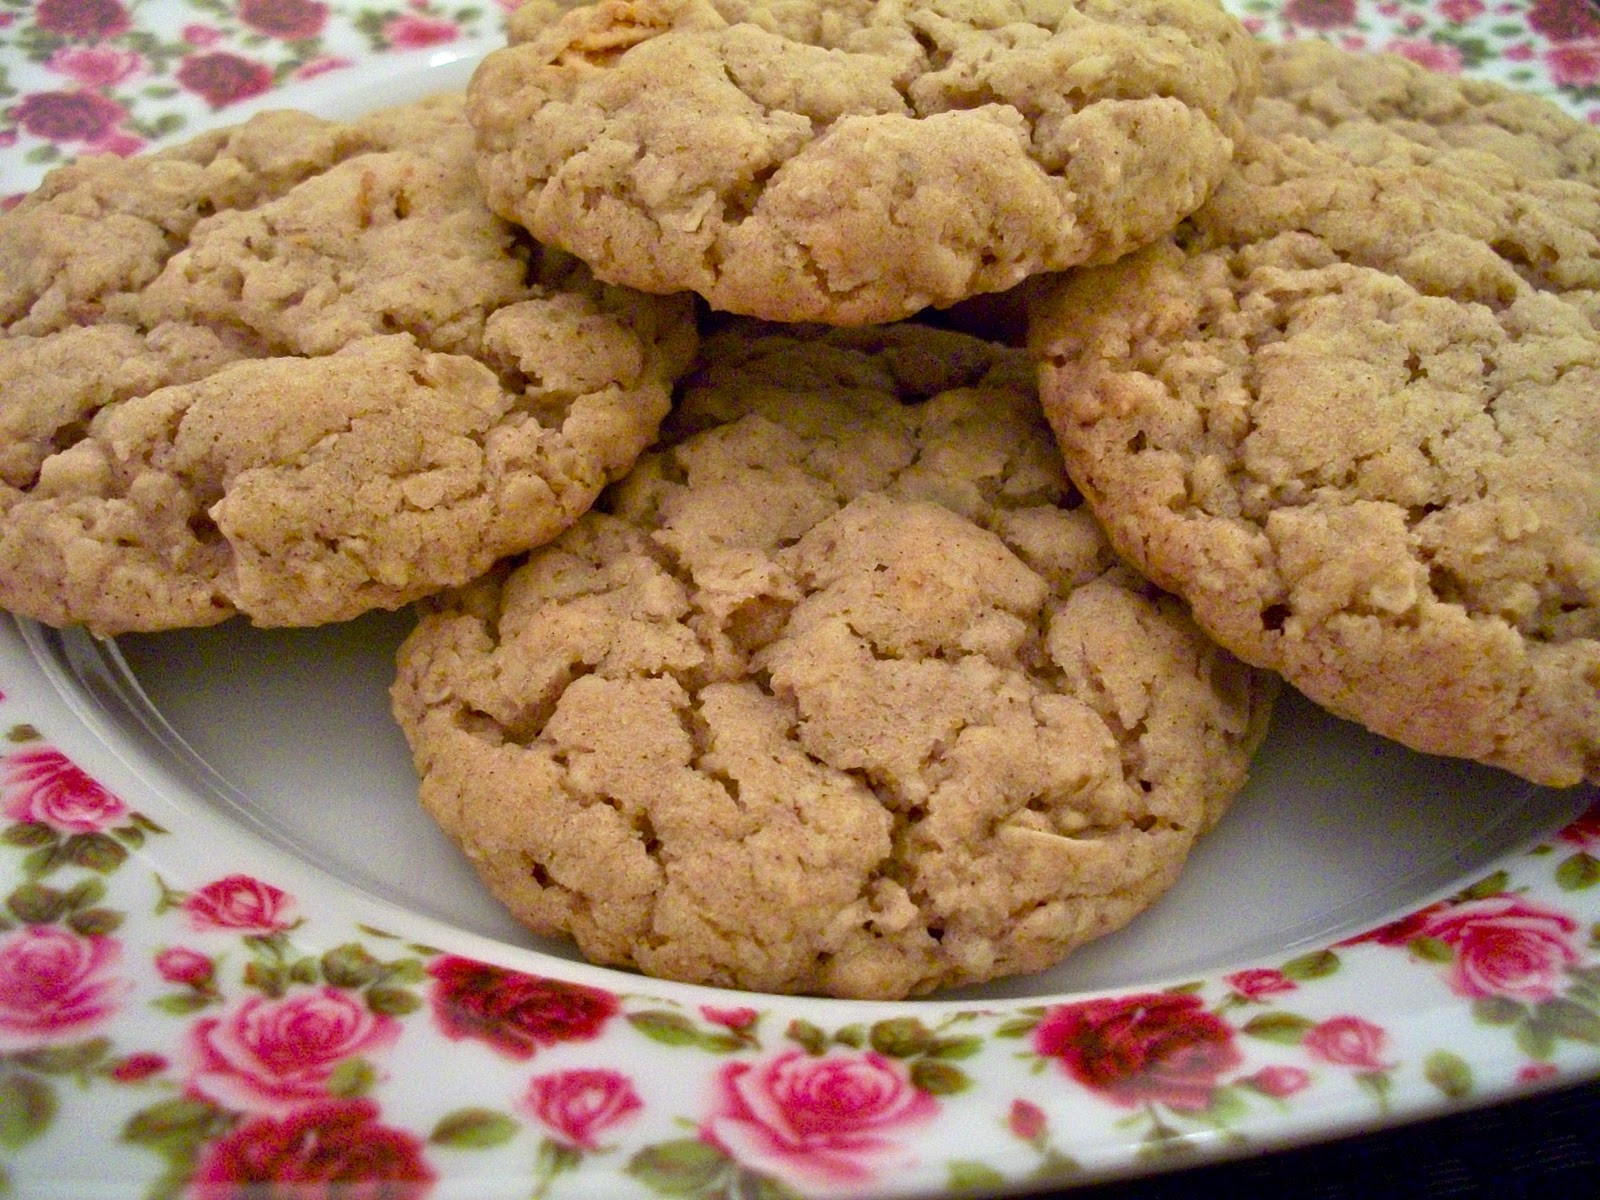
pixel 83 19
pixel 1279 1082
pixel 335 1150
pixel 186 967
pixel 1537 1072
pixel 1348 1042
pixel 275 1055
pixel 1159 1047
pixel 1574 65
pixel 138 1066
pixel 55 984
pixel 1583 833
pixel 1320 14
pixel 222 78
pixel 1563 20
pixel 408 32
pixel 1505 946
pixel 44 785
pixel 1398 933
pixel 833 1120
pixel 578 1105
pixel 513 1012
pixel 1259 983
pixel 96 66
pixel 242 904
pixel 290 20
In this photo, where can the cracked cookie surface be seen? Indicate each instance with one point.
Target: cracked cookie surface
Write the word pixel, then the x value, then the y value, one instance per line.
pixel 297 369
pixel 1351 411
pixel 857 162
pixel 840 691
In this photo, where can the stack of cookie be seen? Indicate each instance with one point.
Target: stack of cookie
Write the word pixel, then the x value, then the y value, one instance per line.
pixel 771 632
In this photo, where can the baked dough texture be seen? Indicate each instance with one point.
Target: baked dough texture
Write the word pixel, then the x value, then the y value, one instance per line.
pixel 1351 410
pixel 840 692
pixel 297 369
pixel 856 162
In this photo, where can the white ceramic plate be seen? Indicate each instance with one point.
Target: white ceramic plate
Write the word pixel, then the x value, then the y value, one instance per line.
pixel 231 943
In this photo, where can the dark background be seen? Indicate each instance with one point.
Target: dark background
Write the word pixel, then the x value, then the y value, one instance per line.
pixel 1545 1147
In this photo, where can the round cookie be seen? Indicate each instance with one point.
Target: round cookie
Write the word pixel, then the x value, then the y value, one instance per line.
pixel 839 692
pixel 296 369
pixel 1382 108
pixel 856 162
pixel 1351 410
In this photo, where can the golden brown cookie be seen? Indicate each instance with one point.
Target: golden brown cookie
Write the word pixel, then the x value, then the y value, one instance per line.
pixel 857 162
pixel 297 369
pixel 1382 107
pixel 1351 411
pixel 841 691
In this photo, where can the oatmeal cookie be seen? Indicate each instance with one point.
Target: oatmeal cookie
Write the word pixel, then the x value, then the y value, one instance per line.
pixel 856 162
pixel 840 691
pixel 1382 108
pixel 1351 410
pixel 297 369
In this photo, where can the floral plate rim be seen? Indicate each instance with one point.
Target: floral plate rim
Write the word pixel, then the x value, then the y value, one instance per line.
pixel 214 1011
pixel 200 1009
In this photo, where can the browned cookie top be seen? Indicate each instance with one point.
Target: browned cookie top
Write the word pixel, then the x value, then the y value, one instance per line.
pixel 297 369
pixel 855 162
pixel 841 692
pixel 1351 411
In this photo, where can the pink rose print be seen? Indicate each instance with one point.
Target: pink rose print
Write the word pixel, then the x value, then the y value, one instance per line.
pixel 1505 946
pixel 44 785
pixel 240 904
pixel 1576 64
pixel 291 20
pixel 55 984
pixel 202 35
pixel 1320 14
pixel 1436 56
pixel 578 1105
pixel 1279 1082
pixel 96 66
pixel 85 20
pixel 335 1150
pixel 221 78
pixel 323 65
pixel 1025 1119
pixel 514 1012
pixel 275 1055
pixel 730 1018
pixel 1563 20
pixel 832 1120
pixel 117 142
pixel 1259 983
pixel 1156 1047
pixel 1460 11
pixel 410 32
pixel 185 967
pixel 1348 1042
